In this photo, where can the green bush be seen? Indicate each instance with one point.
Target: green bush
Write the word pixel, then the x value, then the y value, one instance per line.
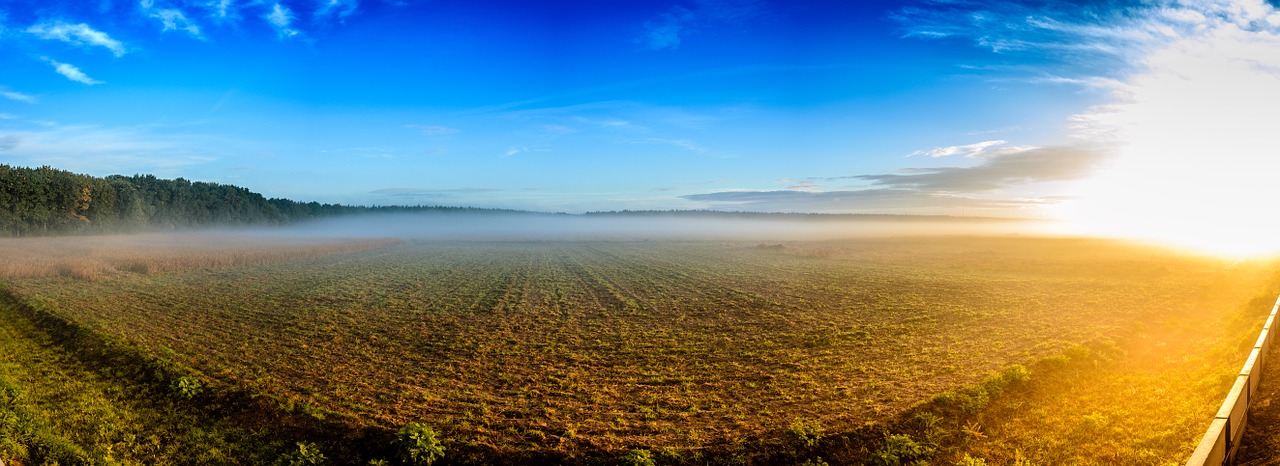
pixel 418 444
pixel 638 458
pixel 900 449
pixel 186 387
pixel 1016 374
pixel 805 433
pixel 308 454
pixel 971 461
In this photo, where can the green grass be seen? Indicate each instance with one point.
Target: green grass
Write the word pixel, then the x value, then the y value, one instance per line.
pixel 688 352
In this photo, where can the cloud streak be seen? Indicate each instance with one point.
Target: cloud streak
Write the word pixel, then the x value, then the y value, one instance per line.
pixel 78 34
pixel 667 29
pixel 72 73
pixel 337 8
pixel 1026 166
pixel 280 18
pixel 933 189
pixel 175 20
pixel 18 96
pixel 976 149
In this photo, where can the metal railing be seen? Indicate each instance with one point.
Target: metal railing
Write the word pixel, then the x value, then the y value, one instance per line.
pixel 1222 441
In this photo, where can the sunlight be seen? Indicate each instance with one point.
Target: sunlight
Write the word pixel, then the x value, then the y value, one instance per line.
pixel 1194 160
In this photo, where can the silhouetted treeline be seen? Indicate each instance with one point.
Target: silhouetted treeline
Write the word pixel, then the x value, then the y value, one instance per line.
pixel 48 201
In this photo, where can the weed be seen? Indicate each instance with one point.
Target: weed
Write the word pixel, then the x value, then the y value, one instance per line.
pixel 805 433
pixel 187 387
pixel 307 454
pixel 900 449
pixel 637 458
pixel 418 444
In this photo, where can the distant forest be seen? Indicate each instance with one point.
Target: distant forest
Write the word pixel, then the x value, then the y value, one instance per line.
pixel 47 201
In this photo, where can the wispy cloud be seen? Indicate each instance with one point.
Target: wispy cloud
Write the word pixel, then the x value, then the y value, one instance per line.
pixel 18 96
pixel 72 73
pixel 866 200
pixel 667 29
pixel 942 189
pixel 998 171
pixel 337 8
pixel 174 20
pixel 222 10
pixel 79 34
pixel 281 19
pixel 976 149
pixel 434 130
pixel 681 143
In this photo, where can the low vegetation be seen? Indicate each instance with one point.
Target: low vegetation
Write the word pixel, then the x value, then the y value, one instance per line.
pixel 871 351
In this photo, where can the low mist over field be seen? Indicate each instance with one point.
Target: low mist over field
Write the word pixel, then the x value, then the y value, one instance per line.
pixel 645 226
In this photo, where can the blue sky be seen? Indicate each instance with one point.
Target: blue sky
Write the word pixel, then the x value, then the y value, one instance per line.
pixel 963 107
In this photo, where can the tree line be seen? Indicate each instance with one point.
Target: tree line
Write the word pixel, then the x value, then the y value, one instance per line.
pixel 48 201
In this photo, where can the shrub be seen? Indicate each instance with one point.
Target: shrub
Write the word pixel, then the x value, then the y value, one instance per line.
pixel 805 433
pixel 308 454
pixel 418 444
pixel 899 449
pixel 638 458
pixel 971 461
pixel 186 387
pixel 1016 374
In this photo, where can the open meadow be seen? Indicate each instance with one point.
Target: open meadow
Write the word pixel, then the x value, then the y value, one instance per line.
pixel 681 352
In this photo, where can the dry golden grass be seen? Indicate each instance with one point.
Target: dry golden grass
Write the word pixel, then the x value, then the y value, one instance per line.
pixel 95 257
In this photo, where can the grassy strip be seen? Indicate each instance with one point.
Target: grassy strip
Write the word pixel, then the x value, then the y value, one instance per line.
pixel 134 392
pixel 935 429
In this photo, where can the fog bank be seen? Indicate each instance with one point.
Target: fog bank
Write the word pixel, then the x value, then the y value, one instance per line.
pixel 648 226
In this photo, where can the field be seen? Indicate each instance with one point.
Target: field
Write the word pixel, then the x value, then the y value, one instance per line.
pixel 688 351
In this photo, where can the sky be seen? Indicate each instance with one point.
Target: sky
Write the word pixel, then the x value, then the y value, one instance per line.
pixel 1090 111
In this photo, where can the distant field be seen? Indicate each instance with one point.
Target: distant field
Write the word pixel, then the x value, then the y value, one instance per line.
pixel 693 349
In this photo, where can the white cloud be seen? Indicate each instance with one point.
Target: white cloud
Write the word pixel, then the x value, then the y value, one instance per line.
pixel 281 18
pixel 664 31
pixel 977 149
pixel 222 10
pixel 173 20
pixel 434 130
pixel 72 73
pixel 340 8
pixel 668 29
pixel 18 96
pixel 681 143
pixel 80 34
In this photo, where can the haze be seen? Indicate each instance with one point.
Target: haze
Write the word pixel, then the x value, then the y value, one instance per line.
pixel 529 226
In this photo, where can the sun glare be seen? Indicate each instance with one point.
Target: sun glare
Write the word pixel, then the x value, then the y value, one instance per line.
pixel 1194 162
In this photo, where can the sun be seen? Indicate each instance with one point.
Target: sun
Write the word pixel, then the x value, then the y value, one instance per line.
pixel 1194 159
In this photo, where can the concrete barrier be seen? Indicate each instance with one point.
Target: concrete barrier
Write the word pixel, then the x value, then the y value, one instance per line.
pixel 1222 441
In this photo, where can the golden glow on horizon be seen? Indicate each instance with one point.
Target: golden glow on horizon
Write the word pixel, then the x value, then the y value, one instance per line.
pixel 1195 161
